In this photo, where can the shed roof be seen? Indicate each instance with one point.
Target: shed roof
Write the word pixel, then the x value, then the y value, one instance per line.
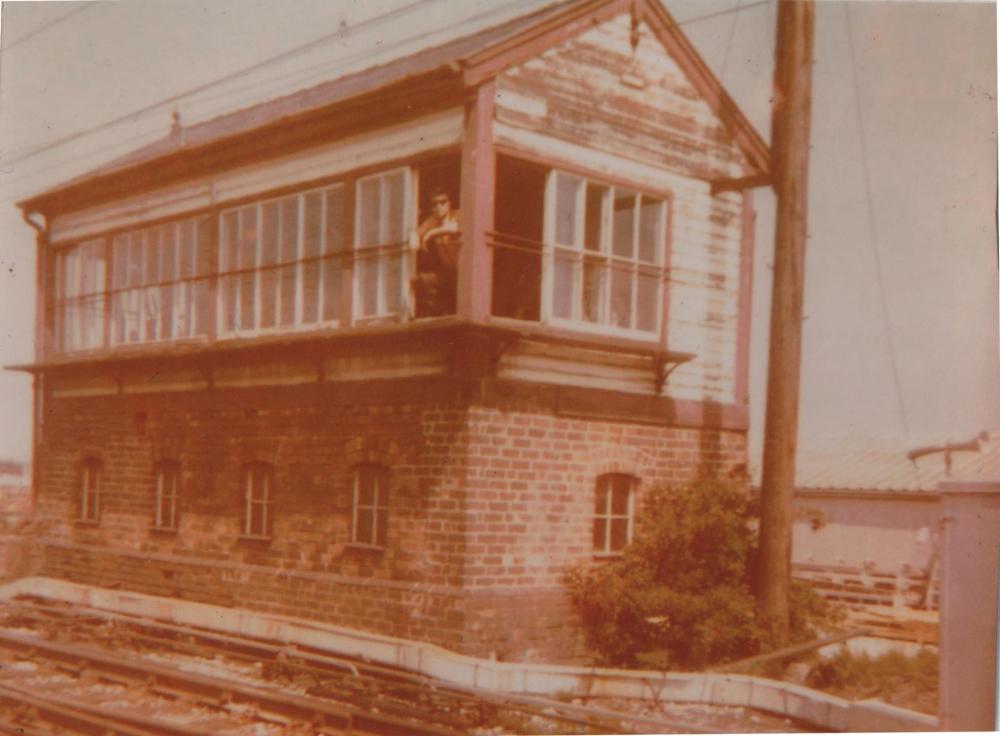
pixel 880 466
pixel 471 57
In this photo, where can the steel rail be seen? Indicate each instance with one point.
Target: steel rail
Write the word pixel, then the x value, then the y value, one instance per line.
pixel 366 674
pixel 89 719
pixel 222 692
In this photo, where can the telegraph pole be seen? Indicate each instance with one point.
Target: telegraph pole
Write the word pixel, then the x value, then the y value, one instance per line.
pixel 789 167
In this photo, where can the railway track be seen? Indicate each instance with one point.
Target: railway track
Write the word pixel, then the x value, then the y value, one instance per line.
pixel 79 670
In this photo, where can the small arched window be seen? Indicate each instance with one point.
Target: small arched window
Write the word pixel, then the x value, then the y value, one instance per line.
pixel 370 523
pixel 168 479
pixel 614 501
pixel 258 490
pixel 90 490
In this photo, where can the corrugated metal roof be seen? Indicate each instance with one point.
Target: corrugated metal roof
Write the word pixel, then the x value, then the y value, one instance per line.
pixel 883 466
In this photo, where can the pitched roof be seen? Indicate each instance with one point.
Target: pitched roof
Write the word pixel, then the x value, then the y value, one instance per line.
pixel 480 47
pixel 883 466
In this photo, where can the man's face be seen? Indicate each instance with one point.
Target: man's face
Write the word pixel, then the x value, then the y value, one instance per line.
pixel 441 205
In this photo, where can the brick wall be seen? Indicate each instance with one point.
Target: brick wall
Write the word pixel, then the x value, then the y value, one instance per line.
pixel 489 506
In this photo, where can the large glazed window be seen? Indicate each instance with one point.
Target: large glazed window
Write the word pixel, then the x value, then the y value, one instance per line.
pixel 280 262
pixel 79 305
pixel 381 219
pixel 160 282
pixel 606 250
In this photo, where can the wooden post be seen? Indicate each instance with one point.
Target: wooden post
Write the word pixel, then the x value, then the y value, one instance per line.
pixel 790 158
pixel 475 261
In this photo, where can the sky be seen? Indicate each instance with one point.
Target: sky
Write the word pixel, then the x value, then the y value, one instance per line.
pixel 900 337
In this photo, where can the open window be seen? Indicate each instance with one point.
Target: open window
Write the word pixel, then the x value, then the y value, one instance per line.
pixel 517 243
pixel 435 266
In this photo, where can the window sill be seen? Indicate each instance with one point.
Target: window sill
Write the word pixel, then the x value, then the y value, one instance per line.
pixel 165 530
pixel 255 538
pixel 365 548
pixel 86 523
pixel 604 556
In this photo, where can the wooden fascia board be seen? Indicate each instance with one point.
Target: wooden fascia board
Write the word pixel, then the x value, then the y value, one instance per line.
pixel 394 103
pixel 495 59
pixel 667 31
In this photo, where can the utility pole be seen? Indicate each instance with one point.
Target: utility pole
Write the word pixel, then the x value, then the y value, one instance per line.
pixel 789 167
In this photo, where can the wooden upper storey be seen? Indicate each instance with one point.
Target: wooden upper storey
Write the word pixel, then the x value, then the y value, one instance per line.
pixel 581 143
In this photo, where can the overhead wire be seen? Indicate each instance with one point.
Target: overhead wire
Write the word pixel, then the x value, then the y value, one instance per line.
pixel 286 78
pixel 729 41
pixel 873 224
pixel 41 29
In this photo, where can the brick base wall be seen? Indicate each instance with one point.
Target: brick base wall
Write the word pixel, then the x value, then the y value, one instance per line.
pixel 490 503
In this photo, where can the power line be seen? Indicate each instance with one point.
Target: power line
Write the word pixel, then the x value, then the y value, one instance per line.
pixel 729 41
pixel 207 85
pixel 872 224
pixel 47 26
pixel 720 13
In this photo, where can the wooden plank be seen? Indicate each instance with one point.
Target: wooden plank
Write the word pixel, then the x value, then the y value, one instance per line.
pixel 742 388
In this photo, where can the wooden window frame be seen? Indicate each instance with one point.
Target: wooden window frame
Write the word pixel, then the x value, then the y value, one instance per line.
pixel 607 516
pixel 91 471
pixel 147 297
pixel 69 324
pixel 379 506
pixel 604 257
pixel 258 491
pixel 166 471
pixel 384 250
pixel 327 256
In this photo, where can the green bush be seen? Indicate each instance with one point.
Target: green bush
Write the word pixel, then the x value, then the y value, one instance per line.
pixel 682 589
pixel 893 677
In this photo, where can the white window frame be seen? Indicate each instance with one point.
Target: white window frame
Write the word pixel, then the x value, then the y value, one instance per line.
pixel 383 251
pixel 168 478
pixel 379 507
pixel 75 330
pixel 252 473
pixel 580 254
pixel 608 516
pixel 90 491
pixel 326 258
pixel 132 305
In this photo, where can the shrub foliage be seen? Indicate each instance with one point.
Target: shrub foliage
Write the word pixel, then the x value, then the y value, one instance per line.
pixel 683 588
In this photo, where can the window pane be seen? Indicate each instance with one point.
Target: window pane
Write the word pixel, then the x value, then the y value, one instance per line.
pixel 368 233
pixel 594 217
pixel 394 206
pixel 619 498
pixel 600 532
pixel 269 235
pixel 119 261
pixel 624 223
pixel 136 250
pixel 247 294
pixel 563 285
pixel 334 229
pixel 230 261
pixel 257 519
pixel 594 275
pixel 621 296
pixel 152 272
pixel 619 534
pixel 312 233
pixel 203 256
pixel 332 286
pixel 392 283
pixel 566 191
pixel 650 230
pixel 368 284
pixel 647 302
pixel 366 487
pixel 364 531
pixel 186 248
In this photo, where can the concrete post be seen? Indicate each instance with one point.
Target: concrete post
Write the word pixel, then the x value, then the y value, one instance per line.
pixel 969 587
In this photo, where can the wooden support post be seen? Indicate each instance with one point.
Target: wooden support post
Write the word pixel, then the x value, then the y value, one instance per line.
pixel 790 152
pixel 475 261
